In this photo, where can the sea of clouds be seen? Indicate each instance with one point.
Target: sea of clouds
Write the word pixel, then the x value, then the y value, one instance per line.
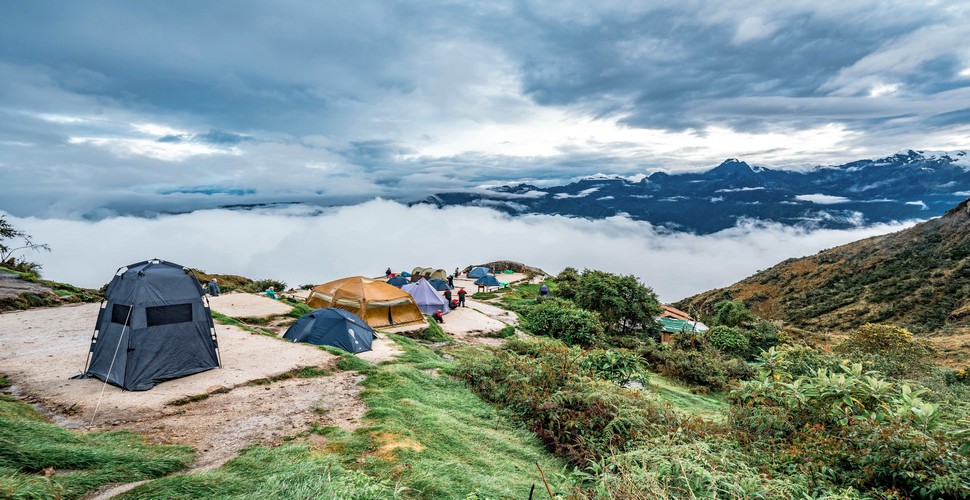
pixel 302 244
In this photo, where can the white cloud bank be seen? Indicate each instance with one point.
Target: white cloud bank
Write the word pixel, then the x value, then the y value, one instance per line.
pixel 300 246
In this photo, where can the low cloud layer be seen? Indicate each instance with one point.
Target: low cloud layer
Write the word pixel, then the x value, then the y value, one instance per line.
pixel 303 245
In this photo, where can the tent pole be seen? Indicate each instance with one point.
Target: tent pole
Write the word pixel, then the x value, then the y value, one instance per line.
pixel 94 338
pixel 212 331
pixel 110 366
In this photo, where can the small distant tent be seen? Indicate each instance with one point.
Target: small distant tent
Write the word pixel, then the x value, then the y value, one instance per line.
pixel 419 271
pixel 333 327
pixel 154 325
pixel 376 302
pixel 440 284
pixel 398 281
pixel 427 298
pixel 487 280
pixel 438 274
pixel 478 272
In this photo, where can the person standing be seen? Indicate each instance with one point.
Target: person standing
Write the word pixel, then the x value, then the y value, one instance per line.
pixel 448 296
pixel 461 297
pixel 213 288
pixel 456 272
pixel 387 274
pixel 451 280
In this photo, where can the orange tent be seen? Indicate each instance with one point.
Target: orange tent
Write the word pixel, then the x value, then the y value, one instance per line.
pixel 376 302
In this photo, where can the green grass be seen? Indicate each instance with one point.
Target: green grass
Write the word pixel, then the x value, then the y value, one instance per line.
pixel 226 320
pixel 426 436
pixel 76 463
pixel 680 398
pixel 289 471
pixel 449 443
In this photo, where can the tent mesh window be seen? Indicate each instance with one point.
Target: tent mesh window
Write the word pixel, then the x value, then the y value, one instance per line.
pixel 167 315
pixel 121 314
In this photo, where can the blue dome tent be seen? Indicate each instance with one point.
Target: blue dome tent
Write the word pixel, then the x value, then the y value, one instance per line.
pixel 332 327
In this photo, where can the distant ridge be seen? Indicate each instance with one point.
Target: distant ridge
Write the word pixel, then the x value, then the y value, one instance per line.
pixel 918 278
pixel 905 186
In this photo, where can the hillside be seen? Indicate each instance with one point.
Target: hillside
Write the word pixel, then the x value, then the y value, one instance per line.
pixel 918 278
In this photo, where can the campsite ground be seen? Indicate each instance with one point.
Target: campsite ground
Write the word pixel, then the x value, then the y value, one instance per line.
pixel 262 394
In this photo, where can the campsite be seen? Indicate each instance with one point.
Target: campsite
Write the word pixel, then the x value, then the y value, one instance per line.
pixel 259 395
pixel 347 389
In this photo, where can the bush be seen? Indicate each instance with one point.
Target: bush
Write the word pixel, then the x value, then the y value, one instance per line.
pixel 850 429
pixel 620 366
pixel 552 388
pixel 888 349
pixel 699 368
pixel 729 339
pixel 568 282
pixel 261 286
pixel 569 324
pixel 732 313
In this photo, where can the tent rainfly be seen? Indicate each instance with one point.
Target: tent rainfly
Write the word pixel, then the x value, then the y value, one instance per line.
pixel 376 302
pixel 427 298
pixel 153 326
pixel 440 284
pixel 438 274
pixel 487 280
pixel 398 281
pixel 333 327
pixel 478 272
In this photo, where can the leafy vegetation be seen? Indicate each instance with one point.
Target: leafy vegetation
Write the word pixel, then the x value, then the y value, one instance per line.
pixel 12 240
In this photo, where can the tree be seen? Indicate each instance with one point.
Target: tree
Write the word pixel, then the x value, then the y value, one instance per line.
pixel 624 304
pixel 732 313
pixel 13 240
pixel 568 281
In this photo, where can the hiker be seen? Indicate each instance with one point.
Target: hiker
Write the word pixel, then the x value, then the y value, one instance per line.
pixel 387 274
pixel 456 272
pixel 453 304
pixel 438 317
pixel 271 293
pixel 461 297
pixel 213 288
pixel 451 280
pixel 448 295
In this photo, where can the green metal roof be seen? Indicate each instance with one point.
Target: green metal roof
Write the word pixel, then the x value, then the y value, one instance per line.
pixel 671 325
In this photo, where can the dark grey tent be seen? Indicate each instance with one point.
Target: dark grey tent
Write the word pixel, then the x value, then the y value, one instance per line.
pixel 153 326
pixel 333 327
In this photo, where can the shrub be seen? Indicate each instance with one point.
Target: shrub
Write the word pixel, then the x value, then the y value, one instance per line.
pixel 695 367
pixel 850 429
pixel 732 313
pixel 569 324
pixel 568 282
pixel 552 388
pixel 888 349
pixel 620 366
pixel 729 339
pixel 623 303
pixel 260 286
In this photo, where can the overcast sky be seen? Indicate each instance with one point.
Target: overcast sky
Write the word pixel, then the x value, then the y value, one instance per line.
pixel 131 107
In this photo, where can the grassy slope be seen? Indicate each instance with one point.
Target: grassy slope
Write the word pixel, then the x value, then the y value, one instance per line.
pixel 39 459
pixel 918 278
pixel 427 436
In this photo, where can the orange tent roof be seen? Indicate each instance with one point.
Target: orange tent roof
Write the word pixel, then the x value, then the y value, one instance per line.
pixel 376 302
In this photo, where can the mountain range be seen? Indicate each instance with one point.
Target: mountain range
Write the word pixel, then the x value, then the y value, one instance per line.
pixel 905 186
